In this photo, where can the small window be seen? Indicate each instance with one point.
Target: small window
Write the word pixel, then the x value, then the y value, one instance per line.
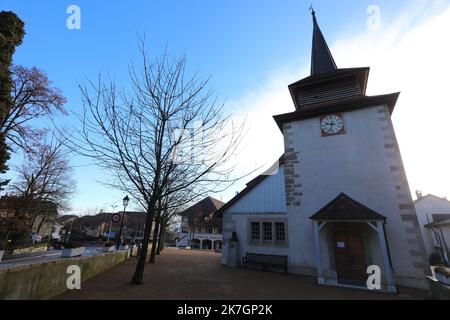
pixel 267 227
pixel 255 231
pixel 219 230
pixel 280 233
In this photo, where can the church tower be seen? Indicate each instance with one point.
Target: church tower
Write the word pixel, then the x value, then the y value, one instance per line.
pixel 348 202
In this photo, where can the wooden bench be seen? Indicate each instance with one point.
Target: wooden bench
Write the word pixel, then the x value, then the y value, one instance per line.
pixel 264 260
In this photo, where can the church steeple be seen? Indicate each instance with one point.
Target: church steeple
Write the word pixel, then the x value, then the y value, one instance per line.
pixel 321 59
pixel 327 84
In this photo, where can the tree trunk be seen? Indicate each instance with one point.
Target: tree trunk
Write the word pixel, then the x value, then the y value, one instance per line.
pixel 139 271
pixel 163 242
pixel 41 224
pixel 155 240
pixel 32 221
pixel 162 232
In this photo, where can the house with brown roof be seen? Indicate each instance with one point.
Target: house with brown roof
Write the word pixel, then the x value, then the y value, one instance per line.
pixel 40 216
pixel 433 214
pixel 100 226
pixel 201 227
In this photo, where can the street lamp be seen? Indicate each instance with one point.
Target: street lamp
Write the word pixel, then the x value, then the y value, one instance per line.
pixel 125 204
pixel 125 201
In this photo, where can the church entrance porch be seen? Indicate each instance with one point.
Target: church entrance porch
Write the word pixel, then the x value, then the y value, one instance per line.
pixel 349 237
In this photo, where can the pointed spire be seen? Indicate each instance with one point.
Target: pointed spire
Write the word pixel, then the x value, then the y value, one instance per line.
pixel 321 59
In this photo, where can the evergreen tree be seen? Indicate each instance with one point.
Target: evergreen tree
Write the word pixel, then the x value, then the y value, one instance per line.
pixel 11 35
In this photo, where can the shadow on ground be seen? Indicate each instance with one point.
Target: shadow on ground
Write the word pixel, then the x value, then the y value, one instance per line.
pixel 189 274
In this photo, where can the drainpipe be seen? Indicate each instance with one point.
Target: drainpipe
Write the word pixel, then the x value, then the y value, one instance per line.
pixel 388 249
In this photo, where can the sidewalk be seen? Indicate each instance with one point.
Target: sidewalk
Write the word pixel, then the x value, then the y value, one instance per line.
pixel 191 274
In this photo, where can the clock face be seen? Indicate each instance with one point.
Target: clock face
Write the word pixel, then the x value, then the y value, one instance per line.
pixel 332 124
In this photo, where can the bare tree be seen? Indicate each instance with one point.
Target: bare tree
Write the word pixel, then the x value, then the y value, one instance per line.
pixel 162 212
pixel 32 97
pixel 167 219
pixel 44 183
pixel 141 137
pixel 172 206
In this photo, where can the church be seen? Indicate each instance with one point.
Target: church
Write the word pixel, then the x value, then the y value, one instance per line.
pixel 338 200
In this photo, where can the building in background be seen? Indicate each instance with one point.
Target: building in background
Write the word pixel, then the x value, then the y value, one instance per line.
pixel 100 226
pixel 39 216
pixel 200 226
pixel 433 214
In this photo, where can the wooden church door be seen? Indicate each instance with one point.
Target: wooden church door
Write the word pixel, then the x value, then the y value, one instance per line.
pixel 349 256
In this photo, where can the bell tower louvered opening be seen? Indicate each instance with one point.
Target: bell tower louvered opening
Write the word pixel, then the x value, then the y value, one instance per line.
pixel 327 83
pixel 333 86
pixel 328 92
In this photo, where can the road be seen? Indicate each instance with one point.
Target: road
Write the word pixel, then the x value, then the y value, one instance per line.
pixel 39 257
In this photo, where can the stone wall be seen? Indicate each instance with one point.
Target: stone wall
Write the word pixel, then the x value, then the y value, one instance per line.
pixel 47 280
pixel 416 247
pixel 292 182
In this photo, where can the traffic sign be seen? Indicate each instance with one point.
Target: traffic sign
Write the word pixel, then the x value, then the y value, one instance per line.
pixel 116 217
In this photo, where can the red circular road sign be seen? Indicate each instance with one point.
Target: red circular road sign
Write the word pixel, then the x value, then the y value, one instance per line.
pixel 116 217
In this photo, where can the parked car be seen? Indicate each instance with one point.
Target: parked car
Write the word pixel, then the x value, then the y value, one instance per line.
pixel 56 244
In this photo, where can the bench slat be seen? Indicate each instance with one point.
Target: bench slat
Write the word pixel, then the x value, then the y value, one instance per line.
pixel 265 260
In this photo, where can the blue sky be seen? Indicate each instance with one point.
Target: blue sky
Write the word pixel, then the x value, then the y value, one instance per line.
pixel 237 42
pixel 241 44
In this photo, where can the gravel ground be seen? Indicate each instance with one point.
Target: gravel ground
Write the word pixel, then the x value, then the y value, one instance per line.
pixel 191 274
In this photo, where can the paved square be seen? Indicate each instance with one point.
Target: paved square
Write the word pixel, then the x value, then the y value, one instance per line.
pixel 191 274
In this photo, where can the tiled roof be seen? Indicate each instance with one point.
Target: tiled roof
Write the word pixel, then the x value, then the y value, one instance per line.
pixel 322 77
pixel 345 208
pixel 438 223
pixel 207 207
pixel 341 105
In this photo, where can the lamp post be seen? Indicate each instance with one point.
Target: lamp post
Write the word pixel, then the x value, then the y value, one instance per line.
pixel 125 204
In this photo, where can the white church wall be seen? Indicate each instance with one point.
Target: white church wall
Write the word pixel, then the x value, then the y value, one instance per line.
pixel 267 196
pixel 240 223
pixel 243 231
pixel 365 164
pixel 266 201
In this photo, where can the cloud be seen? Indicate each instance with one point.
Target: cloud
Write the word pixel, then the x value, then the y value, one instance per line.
pixel 410 54
pixel 263 142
